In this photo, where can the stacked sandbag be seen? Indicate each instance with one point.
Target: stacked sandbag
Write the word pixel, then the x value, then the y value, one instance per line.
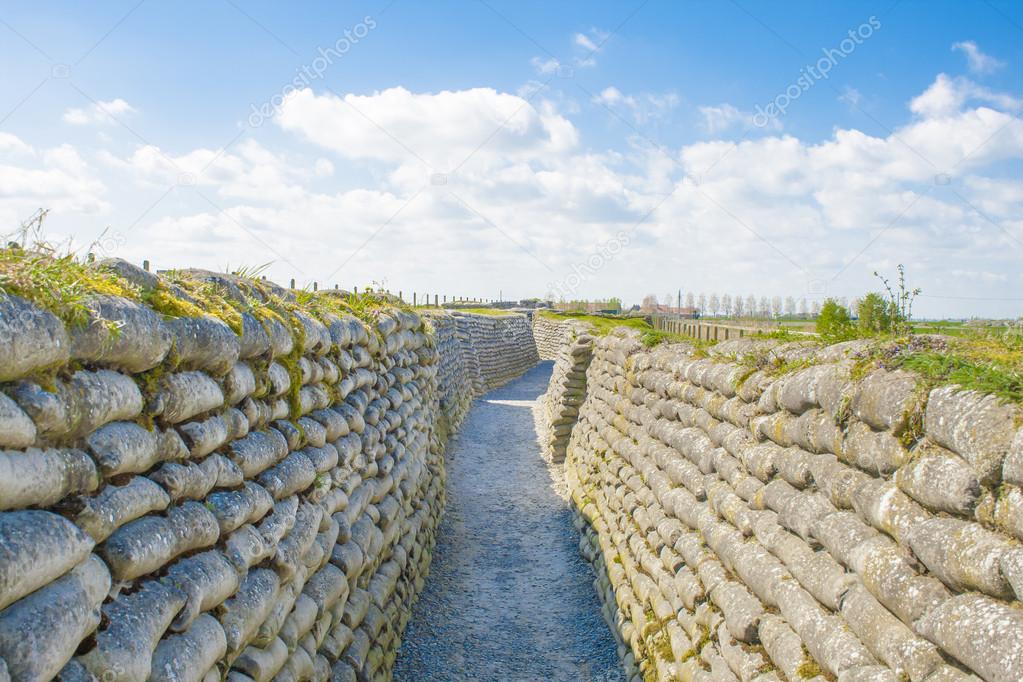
pixel 793 524
pixel 550 335
pixel 566 392
pixel 495 348
pixel 458 371
pixel 184 498
pixel 503 344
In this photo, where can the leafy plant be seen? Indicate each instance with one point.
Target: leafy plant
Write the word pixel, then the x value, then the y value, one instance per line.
pixel 250 271
pixel 875 314
pixel 900 302
pixel 58 282
pixel 833 323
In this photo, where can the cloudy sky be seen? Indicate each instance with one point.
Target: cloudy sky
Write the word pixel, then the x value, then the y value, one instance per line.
pixel 481 147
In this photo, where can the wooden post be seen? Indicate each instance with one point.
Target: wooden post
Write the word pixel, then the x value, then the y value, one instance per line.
pixel 292 282
pixel 315 285
pixel 400 297
pixel 356 290
pixel 413 299
pixel 435 304
pixel 145 265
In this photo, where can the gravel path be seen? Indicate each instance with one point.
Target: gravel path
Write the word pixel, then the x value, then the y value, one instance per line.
pixel 508 597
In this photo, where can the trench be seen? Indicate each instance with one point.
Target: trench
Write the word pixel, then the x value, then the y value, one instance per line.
pixel 508 597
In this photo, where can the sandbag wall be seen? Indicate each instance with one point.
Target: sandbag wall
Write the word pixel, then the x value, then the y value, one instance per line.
pixel 497 348
pixel 477 353
pixel 566 391
pixel 181 502
pixel 550 335
pixel 809 525
pixel 457 372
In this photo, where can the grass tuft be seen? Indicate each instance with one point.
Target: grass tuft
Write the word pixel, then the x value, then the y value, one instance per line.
pixel 59 284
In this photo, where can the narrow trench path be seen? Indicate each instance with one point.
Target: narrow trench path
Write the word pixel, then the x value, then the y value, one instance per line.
pixel 508 596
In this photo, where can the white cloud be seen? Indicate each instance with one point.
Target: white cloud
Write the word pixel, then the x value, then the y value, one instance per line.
pixel 850 96
pixel 12 144
pixel 589 44
pixel 721 118
pixel 585 42
pixel 248 171
pixel 768 214
pixel 99 113
pixel 643 107
pixel 585 46
pixel 58 179
pixel 441 130
pixel 947 96
pixel 545 67
pixel 977 61
pixel 726 117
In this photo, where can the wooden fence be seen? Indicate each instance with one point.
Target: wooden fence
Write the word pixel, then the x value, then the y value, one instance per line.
pixel 709 331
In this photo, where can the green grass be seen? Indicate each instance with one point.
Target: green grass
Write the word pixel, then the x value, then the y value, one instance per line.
pixel 958 328
pixel 977 372
pixel 603 325
pixel 990 363
pixel 781 334
pixel 59 284
pixel 606 324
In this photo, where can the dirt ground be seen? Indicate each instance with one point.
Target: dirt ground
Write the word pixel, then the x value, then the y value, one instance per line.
pixel 508 596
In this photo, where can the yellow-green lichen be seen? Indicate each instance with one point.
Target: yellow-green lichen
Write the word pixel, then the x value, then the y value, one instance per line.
pixel 60 284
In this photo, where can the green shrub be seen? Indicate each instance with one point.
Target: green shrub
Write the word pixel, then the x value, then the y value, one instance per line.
pixel 876 314
pixel 833 323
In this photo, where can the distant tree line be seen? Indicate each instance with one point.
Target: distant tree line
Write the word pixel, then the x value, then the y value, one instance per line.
pixel 742 307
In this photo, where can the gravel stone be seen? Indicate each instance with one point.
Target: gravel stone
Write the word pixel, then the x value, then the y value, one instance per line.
pixel 508 597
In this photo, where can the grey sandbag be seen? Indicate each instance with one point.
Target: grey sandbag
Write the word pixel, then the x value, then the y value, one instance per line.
pixel 983 633
pixel 261 664
pixel 117 505
pixel 17 430
pixel 36 547
pixel 77 407
pixel 236 507
pixel 187 657
pixel 39 634
pixel 30 338
pixel 294 474
pixel 239 383
pixel 205 343
pixel 207 579
pixel 254 340
pixel 122 334
pixel 146 544
pixel 242 614
pixel 258 450
pixel 203 437
pixel 123 447
pixel 137 621
pixel 42 477
pixel 183 395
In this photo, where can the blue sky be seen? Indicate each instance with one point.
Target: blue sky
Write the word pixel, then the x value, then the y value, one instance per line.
pixel 586 149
